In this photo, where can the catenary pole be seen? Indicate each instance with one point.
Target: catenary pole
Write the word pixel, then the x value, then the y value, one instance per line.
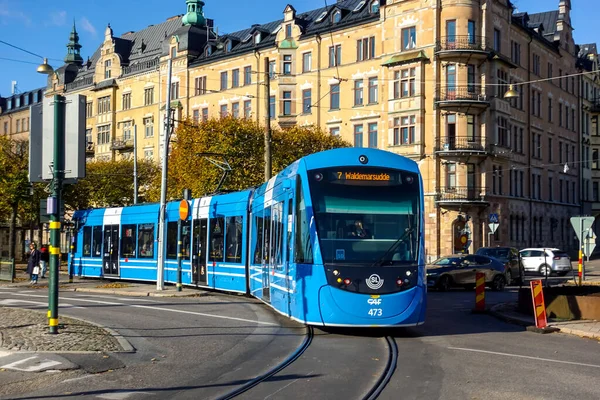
pixel 267 120
pixel 160 279
pixel 135 180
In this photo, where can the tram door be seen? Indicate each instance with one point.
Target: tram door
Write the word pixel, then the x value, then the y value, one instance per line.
pixel 267 256
pixel 111 250
pixel 199 253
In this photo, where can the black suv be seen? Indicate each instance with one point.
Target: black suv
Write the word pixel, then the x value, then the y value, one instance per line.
pixel 510 257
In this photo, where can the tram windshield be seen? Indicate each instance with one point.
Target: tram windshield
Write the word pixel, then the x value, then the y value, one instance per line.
pixel 366 216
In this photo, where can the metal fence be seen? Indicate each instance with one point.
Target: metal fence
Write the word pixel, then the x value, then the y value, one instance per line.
pixel 7 266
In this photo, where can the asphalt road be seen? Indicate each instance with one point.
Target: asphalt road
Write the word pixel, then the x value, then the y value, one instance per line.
pixel 200 348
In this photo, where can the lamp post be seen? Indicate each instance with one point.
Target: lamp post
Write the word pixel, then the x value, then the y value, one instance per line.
pixel 55 200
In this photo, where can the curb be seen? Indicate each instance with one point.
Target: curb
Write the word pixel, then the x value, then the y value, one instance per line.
pixel 571 331
pixel 511 320
pixel 124 343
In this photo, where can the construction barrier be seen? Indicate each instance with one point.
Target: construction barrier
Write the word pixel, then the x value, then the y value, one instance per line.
pixel 479 291
pixel 7 267
pixel 539 307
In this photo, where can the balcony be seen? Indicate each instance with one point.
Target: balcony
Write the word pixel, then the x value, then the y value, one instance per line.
pixel 461 146
pixel 90 149
pixel 470 99
pixel 460 47
pixel 594 107
pixel 460 195
pixel 122 144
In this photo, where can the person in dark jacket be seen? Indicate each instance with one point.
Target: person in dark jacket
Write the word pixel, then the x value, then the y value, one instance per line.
pixel 44 260
pixel 33 265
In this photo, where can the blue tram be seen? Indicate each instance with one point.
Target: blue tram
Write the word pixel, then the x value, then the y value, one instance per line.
pixel 335 239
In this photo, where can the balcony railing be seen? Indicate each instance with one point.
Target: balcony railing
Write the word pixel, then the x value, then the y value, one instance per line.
pixel 461 194
pixel 80 83
pixel 138 67
pixel 122 144
pixel 468 93
pixel 460 144
pixel 461 43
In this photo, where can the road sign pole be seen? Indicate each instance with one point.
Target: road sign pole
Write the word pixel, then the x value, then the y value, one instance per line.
pixel 56 196
pixel 179 255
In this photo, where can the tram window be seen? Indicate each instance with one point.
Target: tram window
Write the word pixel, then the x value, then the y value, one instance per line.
pixel 97 241
pixel 233 240
pixel 87 240
pixel 128 237
pixel 185 239
pixel 172 240
pixel 290 221
pixel 303 249
pixel 267 254
pixel 258 224
pixel 277 240
pixel 146 240
pixel 215 251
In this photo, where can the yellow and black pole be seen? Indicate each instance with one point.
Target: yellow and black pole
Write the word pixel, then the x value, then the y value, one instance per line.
pixel 54 203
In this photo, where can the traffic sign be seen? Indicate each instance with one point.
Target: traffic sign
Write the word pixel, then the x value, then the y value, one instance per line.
pixel 184 210
pixel 493 227
pixel 589 244
pixel 582 225
pixel 494 218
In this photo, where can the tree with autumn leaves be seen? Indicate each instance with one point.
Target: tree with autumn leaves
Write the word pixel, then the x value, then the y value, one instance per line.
pixel 241 143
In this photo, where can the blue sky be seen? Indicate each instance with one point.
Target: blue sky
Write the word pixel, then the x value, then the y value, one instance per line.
pixel 43 27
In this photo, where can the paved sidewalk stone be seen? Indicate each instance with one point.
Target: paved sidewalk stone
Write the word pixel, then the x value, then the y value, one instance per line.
pixel 27 330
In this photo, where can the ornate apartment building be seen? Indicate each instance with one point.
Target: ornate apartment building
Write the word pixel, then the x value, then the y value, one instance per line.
pixel 421 78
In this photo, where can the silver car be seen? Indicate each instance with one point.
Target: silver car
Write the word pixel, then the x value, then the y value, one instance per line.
pixel 546 261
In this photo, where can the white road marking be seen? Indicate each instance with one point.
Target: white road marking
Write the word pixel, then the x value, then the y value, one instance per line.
pixel 10 302
pixel 37 367
pixel 159 309
pixel 120 395
pixel 5 353
pixel 79 378
pixel 527 357
pixel 118 298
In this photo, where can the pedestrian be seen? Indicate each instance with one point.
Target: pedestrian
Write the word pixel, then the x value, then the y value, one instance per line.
pixel 44 260
pixel 33 265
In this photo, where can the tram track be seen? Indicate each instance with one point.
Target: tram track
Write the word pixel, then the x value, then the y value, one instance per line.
pixel 273 371
pixel 388 371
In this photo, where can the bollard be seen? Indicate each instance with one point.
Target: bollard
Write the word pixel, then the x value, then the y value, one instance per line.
pixel 479 292
pixel 539 307
pixel 580 266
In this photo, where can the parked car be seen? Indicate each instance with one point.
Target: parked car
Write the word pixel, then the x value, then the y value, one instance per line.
pixel 510 257
pixel 460 269
pixel 546 261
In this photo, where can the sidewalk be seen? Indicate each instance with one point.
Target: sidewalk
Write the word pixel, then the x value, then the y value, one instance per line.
pixel 583 328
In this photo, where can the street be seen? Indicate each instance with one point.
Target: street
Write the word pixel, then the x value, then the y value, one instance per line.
pixel 204 347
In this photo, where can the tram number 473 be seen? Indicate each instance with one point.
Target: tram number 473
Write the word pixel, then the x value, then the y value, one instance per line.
pixel 375 312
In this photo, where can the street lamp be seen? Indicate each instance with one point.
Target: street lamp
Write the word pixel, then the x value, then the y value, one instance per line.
pixel 55 200
pixel 511 93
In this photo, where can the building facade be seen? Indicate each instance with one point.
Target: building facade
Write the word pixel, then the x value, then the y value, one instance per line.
pixel 424 79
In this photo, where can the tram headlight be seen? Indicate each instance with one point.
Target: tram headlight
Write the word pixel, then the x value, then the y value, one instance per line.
pixel 339 280
pixel 336 272
pixel 408 273
pixel 399 282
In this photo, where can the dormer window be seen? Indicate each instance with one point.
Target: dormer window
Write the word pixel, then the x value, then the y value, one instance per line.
pixel 208 51
pixel 336 17
pixel 374 7
pixel 288 31
pixel 228 46
pixel 173 52
pixel 257 38
pixel 107 66
pixel 321 17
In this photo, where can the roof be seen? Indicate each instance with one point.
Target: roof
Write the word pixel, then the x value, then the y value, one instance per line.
pixel 24 99
pixel 548 19
pixel 309 21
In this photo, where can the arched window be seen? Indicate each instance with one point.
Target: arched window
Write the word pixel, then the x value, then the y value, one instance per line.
pixel 336 17
pixel 374 7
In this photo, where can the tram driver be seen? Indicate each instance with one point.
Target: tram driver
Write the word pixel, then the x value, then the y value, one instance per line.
pixel 359 231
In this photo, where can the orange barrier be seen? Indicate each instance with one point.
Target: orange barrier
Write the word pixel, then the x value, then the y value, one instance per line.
pixel 539 307
pixel 580 266
pixel 479 291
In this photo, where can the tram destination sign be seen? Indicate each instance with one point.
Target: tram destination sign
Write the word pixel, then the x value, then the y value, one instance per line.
pixel 366 177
